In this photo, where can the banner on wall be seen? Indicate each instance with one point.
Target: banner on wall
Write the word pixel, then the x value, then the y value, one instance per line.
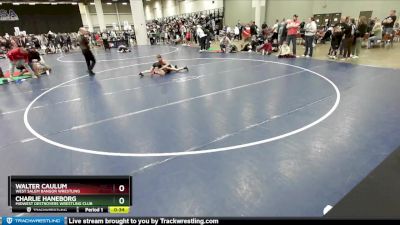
pixel 9 15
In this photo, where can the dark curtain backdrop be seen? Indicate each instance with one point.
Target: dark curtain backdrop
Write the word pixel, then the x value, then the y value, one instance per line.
pixel 36 19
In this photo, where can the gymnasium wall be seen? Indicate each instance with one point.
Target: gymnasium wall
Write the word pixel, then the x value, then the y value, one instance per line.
pixel 235 10
pixel 278 9
pixel 379 8
pixel 35 19
pixel 110 14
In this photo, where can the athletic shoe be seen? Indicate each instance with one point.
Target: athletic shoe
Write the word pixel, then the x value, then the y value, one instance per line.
pixel 176 66
pixel 10 79
pixel 141 74
pixel 47 72
pixel 307 56
pixel 303 56
pixel 35 77
pixel 186 68
pixel 91 73
pixel 355 57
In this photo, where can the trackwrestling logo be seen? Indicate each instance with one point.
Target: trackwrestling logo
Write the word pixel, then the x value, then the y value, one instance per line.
pixel 32 220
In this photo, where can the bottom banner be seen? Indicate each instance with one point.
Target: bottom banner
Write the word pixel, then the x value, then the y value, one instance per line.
pixel 139 221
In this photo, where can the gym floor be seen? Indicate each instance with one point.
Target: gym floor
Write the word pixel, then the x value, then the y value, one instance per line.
pixel 237 135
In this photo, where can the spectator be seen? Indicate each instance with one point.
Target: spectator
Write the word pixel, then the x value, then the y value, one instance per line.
pixel 284 51
pixel 388 22
pixel 359 35
pixel 292 30
pixel 337 36
pixel 282 31
pixel 202 38
pixel 240 26
pixel 275 30
pixel 237 32
pixel 377 33
pixel 253 29
pixel 266 47
pixel 346 43
pixel 225 42
pixel 104 37
pixel 310 29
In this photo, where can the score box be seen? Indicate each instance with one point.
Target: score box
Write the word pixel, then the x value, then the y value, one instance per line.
pixel 69 191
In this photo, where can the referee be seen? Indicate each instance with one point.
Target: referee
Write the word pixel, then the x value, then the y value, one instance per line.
pixel 84 45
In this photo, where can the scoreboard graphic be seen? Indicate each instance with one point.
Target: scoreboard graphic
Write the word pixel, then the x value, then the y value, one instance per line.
pixel 62 194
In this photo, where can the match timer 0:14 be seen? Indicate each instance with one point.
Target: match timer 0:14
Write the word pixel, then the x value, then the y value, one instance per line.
pixel 70 194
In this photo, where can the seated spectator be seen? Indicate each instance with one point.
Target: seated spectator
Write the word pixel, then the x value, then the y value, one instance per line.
pixel 249 47
pixel 284 51
pixel 233 48
pixel 266 47
pixel 377 34
pixel 224 43
pixel 388 22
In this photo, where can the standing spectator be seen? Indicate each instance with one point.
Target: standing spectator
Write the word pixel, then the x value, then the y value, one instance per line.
pixel 240 30
pixel 345 49
pixel 292 30
pixel 253 30
pixel 336 39
pixel 310 29
pixel 208 34
pixel 202 38
pixel 69 42
pixel 281 28
pixel 104 37
pixel 275 30
pixel 361 30
pixel 246 35
pixel 50 38
pixel 237 32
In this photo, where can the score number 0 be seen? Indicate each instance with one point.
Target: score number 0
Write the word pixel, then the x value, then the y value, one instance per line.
pixel 121 200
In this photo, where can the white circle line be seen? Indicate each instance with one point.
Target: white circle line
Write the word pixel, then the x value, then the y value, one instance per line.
pixel 228 148
pixel 110 60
